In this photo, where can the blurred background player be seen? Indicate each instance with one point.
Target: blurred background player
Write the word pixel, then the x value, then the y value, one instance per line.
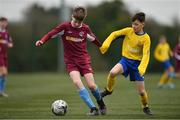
pixel 177 58
pixel 5 43
pixel 136 53
pixel 163 53
pixel 74 36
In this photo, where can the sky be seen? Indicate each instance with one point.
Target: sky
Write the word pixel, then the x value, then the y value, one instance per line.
pixel 164 11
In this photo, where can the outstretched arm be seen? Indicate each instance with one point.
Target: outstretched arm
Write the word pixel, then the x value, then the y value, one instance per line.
pixel 93 38
pixel 59 30
pixel 112 37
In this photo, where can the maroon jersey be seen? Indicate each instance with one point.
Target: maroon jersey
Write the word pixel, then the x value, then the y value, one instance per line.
pixel 4 40
pixel 177 52
pixel 74 41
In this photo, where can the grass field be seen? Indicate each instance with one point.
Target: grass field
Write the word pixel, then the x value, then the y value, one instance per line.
pixel 31 96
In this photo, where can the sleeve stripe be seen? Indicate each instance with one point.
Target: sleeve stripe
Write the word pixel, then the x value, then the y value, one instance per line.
pixel 91 38
pixel 60 33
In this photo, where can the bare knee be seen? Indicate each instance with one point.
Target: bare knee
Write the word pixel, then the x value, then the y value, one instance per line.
pixel 113 73
pixel 76 82
pixel 141 92
pixel 116 70
pixel 3 71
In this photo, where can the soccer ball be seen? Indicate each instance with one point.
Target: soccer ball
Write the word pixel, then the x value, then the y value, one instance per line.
pixel 59 107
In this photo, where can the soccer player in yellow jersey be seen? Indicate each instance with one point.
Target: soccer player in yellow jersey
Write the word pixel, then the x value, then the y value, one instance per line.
pixel 163 53
pixel 136 53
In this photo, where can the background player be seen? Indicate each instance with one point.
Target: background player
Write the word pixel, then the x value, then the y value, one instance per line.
pixel 177 58
pixel 163 53
pixel 135 52
pixel 76 58
pixel 5 43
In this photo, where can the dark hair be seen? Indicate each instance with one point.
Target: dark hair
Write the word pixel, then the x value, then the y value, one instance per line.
pixel 79 13
pixel 139 16
pixel 3 19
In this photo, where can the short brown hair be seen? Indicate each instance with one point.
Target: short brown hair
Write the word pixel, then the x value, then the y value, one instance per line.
pixel 79 13
pixel 139 16
pixel 3 19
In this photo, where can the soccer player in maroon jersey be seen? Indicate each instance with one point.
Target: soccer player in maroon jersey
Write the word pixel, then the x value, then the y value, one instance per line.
pixel 5 43
pixel 177 58
pixel 74 37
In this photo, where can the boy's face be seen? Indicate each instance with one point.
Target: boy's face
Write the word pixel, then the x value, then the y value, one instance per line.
pixel 137 26
pixel 76 23
pixel 3 24
pixel 162 40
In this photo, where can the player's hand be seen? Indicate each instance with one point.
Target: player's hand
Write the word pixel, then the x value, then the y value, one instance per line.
pixel 39 43
pixel 10 45
pixel 141 72
pixel 103 49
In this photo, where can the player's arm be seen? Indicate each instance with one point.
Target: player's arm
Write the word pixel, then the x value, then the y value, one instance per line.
pixel 93 38
pixel 10 42
pixel 112 37
pixel 7 41
pixel 146 55
pixel 156 52
pixel 59 30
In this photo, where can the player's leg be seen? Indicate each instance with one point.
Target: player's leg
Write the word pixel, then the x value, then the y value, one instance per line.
pixel 95 91
pixel 163 80
pixel 92 86
pixel 2 81
pixel 171 75
pixel 143 96
pixel 83 92
pixel 3 73
pixel 170 69
pixel 118 68
pixel 140 85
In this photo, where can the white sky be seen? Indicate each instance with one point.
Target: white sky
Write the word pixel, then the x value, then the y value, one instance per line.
pixel 164 11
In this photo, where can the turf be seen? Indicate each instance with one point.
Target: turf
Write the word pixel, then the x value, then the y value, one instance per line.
pixel 31 96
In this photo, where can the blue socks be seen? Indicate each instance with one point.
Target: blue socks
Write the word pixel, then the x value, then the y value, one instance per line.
pixel 86 97
pixel 96 94
pixel 2 83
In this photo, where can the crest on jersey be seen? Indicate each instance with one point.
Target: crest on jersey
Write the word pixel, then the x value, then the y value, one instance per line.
pixel 69 31
pixel 81 33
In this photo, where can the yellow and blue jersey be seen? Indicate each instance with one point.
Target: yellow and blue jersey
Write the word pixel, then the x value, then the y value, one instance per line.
pixel 162 52
pixel 135 47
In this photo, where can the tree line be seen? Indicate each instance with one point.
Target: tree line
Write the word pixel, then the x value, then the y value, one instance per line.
pixel 102 19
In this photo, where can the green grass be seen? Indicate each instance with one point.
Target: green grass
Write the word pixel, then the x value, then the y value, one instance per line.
pixel 31 96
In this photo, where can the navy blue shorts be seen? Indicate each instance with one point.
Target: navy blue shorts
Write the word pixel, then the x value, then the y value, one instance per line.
pixel 166 64
pixel 130 68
